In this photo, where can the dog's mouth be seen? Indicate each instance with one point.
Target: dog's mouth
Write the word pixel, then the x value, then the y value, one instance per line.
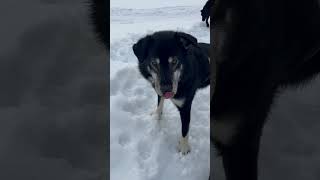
pixel 168 95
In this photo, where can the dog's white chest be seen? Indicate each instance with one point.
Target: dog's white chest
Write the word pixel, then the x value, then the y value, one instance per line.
pixel 178 102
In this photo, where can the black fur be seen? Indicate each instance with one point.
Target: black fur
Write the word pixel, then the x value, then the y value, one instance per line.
pixel 206 11
pixel 192 55
pixel 99 16
pixel 264 46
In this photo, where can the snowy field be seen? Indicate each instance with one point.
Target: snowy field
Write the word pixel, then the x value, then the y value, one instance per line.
pixel 140 147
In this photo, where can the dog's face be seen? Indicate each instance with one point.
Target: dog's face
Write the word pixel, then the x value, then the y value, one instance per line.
pixel 165 75
pixel 162 57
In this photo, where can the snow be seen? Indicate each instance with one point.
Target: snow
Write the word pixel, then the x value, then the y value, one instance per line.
pixel 142 148
pixel 144 4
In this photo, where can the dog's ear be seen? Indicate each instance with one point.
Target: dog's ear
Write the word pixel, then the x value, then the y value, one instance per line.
pixel 141 48
pixel 186 40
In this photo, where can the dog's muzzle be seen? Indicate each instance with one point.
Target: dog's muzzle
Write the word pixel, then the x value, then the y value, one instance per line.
pixel 167 91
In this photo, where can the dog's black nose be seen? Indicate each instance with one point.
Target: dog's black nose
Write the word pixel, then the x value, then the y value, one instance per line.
pixel 166 88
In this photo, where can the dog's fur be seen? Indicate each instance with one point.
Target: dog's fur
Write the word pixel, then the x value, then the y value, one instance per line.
pixel 206 11
pixel 174 62
pixel 260 46
pixel 99 13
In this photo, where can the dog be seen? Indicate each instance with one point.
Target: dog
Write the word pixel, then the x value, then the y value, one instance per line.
pixel 206 10
pixel 260 47
pixel 98 18
pixel 177 66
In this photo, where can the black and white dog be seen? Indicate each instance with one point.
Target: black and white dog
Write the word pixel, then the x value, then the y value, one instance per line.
pixel 260 46
pixel 176 65
pixel 206 10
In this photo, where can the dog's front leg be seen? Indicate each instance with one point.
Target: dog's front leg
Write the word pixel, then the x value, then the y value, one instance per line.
pixel 184 146
pixel 240 152
pixel 158 111
pixel 240 161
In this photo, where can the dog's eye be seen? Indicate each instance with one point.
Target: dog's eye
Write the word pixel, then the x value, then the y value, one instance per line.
pixel 174 61
pixel 154 63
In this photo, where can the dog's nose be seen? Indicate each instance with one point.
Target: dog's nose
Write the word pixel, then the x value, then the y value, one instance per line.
pixel 166 88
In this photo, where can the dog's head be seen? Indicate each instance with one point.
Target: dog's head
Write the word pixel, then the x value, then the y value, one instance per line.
pixel 162 57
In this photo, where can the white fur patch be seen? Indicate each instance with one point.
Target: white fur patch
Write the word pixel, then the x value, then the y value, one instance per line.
pixel 156 83
pixel 183 145
pixel 160 108
pixel 155 80
pixel 151 80
pixel 176 79
pixel 178 102
pixel 158 111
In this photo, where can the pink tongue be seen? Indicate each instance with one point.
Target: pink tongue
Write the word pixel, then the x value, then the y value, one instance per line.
pixel 168 95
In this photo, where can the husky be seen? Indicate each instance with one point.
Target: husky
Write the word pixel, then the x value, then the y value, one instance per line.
pixel 206 10
pixel 176 66
pixel 260 47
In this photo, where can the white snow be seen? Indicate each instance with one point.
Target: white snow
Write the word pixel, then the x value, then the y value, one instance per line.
pixel 142 148
pixel 138 4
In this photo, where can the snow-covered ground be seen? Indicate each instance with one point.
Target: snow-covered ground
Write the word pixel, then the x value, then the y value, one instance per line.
pixel 140 147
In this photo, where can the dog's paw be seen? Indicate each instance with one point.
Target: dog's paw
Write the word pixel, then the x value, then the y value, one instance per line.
pixel 184 146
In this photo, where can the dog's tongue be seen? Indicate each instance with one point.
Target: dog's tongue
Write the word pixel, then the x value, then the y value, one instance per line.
pixel 168 95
